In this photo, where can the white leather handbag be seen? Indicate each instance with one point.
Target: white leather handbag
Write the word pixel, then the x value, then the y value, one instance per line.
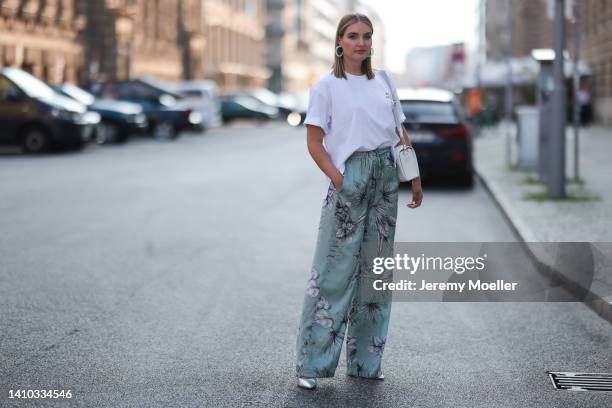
pixel 404 156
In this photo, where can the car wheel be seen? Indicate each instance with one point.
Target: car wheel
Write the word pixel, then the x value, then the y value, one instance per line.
pixel 466 180
pixel 110 132
pixel 123 137
pixel 77 147
pixel 97 136
pixel 35 139
pixel 164 131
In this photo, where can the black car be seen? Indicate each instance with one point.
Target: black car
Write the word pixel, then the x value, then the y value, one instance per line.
pixel 439 133
pixel 119 119
pixel 165 119
pixel 244 106
pixel 38 118
pixel 283 103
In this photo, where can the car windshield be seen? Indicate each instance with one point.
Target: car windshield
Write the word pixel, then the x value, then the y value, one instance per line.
pixel 266 96
pixel 32 86
pixel 429 112
pixel 79 94
pixel 157 87
pixel 248 102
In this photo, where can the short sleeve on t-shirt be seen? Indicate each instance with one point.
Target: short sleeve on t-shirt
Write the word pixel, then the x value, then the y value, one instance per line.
pixel 319 109
pixel 400 112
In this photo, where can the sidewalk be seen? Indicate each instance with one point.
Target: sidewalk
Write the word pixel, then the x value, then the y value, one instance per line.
pixel 587 217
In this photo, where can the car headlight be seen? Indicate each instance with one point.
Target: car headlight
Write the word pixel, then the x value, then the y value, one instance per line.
pixel 92 118
pixel 137 118
pixel 66 114
pixel 294 119
pixel 195 118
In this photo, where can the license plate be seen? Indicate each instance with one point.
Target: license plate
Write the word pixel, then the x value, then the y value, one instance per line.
pixel 421 137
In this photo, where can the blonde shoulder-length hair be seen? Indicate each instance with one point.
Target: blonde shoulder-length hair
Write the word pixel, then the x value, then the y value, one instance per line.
pixel 345 21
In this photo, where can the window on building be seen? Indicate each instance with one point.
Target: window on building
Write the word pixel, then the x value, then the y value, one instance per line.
pixel 601 73
pixel 609 81
pixel 298 23
pixel 250 8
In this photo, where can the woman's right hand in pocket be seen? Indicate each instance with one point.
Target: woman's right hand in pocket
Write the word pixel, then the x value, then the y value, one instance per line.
pixel 338 182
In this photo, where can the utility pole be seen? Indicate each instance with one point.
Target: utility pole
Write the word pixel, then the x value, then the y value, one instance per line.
pixel 576 12
pixel 481 42
pixel 556 180
pixel 509 101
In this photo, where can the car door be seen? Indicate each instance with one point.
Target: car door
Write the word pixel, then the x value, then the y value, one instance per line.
pixel 15 107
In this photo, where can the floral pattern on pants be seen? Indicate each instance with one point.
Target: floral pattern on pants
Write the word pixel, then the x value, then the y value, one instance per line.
pixel 357 224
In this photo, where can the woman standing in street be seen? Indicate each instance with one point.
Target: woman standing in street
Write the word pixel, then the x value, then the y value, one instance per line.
pixel 350 136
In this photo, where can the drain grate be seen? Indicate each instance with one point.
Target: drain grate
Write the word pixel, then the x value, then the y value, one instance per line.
pixel 581 381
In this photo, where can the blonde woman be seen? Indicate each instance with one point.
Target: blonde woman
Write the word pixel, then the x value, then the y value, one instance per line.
pixel 350 134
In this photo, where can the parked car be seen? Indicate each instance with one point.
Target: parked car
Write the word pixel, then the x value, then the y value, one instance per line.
pixel 240 106
pixel 301 107
pixel 38 118
pixel 439 133
pixel 202 97
pixel 285 103
pixel 165 118
pixel 119 119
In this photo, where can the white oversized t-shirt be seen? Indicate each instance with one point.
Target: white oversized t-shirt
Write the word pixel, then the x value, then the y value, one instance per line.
pixel 354 113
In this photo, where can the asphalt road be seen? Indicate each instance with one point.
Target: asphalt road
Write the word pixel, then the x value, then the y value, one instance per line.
pixel 172 274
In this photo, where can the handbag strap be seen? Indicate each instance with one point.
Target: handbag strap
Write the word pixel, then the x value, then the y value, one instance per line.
pixel 398 125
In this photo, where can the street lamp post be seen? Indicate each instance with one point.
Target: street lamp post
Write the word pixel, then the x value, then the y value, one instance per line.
pixel 556 181
pixel 576 12
pixel 509 90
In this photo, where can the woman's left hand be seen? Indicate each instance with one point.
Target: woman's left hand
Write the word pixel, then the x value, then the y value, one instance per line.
pixel 417 193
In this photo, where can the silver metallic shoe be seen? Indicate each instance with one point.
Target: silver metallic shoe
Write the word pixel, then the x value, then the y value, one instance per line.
pixel 307 383
pixel 381 377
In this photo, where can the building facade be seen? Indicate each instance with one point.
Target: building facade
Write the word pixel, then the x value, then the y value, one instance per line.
pixel 308 43
pixel 301 38
pixel 236 44
pixel 100 40
pixel 428 66
pixel 533 28
pixel 296 74
pixel 139 38
pixel 596 43
pixel 496 29
pixel 275 31
pixel 42 37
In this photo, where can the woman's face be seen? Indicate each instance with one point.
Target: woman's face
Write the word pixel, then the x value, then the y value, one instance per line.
pixel 356 41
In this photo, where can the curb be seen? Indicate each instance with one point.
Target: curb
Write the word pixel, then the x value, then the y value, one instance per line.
pixel 592 300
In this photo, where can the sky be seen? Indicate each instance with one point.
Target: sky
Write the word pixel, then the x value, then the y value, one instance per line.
pixel 414 23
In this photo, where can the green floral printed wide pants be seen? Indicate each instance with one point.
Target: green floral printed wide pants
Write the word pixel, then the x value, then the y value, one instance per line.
pixel 357 224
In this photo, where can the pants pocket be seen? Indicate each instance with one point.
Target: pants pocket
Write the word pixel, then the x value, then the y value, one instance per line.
pixel 347 180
